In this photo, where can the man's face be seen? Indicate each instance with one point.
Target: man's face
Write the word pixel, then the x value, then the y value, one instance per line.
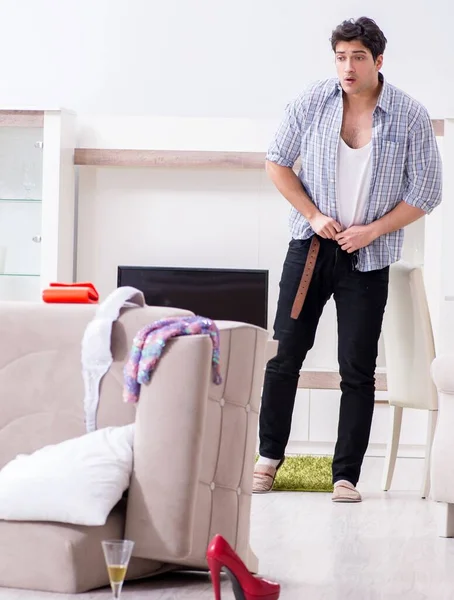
pixel 356 68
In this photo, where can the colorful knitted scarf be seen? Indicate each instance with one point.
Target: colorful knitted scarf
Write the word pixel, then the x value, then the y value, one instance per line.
pixel 149 343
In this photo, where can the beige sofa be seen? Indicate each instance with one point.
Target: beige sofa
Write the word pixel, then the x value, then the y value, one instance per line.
pixel 193 450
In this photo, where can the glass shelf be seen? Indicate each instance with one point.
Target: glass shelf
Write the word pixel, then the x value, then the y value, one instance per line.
pixel 35 200
pixel 19 275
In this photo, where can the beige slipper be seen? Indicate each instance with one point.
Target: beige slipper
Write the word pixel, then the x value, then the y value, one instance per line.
pixel 264 476
pixel 344 491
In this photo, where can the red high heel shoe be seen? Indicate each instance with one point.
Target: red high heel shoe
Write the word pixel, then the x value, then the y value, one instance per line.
pixel 245 586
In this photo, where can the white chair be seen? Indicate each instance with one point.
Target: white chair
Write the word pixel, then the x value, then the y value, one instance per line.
pixel 409 350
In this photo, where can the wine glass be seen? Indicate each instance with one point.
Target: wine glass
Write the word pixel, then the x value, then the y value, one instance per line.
pixel 117 554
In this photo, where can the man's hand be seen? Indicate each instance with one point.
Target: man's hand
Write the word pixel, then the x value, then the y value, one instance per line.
pixel 324 226
pixel 356 237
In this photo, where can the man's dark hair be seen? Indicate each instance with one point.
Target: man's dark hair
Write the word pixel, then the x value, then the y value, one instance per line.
pixel 364 30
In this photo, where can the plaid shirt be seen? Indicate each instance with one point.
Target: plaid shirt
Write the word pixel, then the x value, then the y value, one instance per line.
pixel 406 161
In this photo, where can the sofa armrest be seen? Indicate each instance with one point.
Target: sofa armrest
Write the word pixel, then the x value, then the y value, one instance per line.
pixel 443 373
pixel 167 451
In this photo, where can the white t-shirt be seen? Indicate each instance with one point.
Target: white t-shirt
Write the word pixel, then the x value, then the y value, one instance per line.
pixel 354 174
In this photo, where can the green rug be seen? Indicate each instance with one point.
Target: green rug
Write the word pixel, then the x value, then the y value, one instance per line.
pixel 305 474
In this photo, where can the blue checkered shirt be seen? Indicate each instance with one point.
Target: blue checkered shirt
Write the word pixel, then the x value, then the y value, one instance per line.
pixel 406 161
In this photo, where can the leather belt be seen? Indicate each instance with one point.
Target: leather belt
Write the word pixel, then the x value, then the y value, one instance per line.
pixel 306 278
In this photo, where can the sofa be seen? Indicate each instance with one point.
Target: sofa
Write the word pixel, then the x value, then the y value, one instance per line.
pixel 194 443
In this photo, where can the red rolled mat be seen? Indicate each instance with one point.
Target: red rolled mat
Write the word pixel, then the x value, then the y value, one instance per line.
pixel 71 293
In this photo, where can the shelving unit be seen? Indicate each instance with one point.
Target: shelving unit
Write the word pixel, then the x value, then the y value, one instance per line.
pixel 36 201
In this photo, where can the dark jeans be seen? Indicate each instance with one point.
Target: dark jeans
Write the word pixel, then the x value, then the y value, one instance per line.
pixel 360 299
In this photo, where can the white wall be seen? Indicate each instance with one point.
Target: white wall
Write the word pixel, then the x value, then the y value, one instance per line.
pixel 205 57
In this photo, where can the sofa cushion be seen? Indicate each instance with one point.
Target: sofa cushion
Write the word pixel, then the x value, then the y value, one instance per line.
pixel 78 481
pixel 62 558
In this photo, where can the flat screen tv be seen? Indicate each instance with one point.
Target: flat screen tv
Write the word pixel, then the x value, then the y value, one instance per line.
pixel 225 294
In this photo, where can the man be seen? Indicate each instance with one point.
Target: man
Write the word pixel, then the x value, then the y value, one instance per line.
pixel 369 166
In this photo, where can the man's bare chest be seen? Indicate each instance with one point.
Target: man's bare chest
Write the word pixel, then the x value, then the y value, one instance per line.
pixel 356 130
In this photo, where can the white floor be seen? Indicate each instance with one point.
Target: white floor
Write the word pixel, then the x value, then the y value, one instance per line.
pixel 383 549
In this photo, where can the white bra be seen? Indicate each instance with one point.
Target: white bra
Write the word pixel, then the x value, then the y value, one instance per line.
pixel 96 343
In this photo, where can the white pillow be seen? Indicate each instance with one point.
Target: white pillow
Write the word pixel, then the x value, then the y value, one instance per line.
pixel 78 481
